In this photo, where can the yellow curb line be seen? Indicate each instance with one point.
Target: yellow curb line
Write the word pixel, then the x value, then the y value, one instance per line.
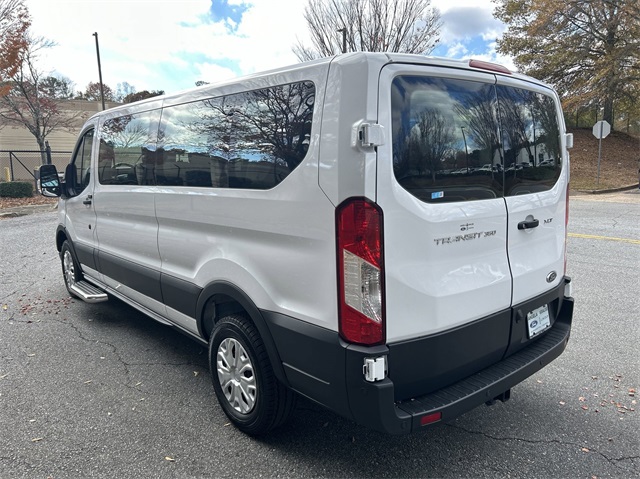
pixel 610 238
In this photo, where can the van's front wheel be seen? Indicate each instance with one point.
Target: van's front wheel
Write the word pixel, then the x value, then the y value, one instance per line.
pixel 70 267
pixel 248 391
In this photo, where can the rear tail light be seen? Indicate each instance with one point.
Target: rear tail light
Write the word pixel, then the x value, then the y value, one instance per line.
pixel 360 271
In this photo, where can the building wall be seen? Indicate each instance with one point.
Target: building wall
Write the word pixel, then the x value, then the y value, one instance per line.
pixel 19 138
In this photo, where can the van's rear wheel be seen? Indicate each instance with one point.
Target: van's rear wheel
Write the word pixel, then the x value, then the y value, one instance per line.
pixel 70 267
pixel 248 391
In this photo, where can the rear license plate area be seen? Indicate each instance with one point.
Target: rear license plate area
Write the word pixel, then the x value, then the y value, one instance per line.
pixel 538 321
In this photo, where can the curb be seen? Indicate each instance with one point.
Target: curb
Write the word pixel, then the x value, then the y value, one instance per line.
pixel 26 210
pixel 612 190
pixel 12 214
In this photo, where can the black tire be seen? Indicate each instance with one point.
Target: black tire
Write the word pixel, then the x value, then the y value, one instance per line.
pixel 248 391
pixel 70 267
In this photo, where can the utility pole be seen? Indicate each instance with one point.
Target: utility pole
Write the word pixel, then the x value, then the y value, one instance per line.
pixel 99 70
pixel 466 150
pixel 343 30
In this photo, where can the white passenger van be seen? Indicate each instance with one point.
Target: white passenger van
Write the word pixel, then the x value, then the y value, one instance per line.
pixel 329 229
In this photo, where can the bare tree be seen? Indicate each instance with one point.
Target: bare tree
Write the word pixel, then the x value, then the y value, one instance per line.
pixel 408 26
pixel 480 120
pixel 28 103
pixel 123 90
pixel 126 132
pixel 514 106
pixel 433 136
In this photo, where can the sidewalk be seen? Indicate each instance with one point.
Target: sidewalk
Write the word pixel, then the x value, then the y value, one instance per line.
pixel 26 210
pixel 625 196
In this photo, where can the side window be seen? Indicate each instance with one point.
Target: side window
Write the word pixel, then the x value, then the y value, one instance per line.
pixel 193 148
pixel 79 175
pixel 127 154
pixel 248 140
pixel 273 128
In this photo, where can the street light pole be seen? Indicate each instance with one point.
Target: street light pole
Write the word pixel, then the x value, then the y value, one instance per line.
pixel 343 30
pixel 99 70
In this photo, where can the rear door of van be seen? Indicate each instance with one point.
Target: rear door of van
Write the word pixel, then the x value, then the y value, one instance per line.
pixel 471 234
pixel 536 195
pixel 445 220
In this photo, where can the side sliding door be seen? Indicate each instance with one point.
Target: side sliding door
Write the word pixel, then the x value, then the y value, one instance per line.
pixel 127 229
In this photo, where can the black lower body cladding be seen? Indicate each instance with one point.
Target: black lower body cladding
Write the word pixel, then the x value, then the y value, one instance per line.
pixel 446 374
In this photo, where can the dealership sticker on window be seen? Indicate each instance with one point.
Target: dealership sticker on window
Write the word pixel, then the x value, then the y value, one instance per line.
pixel 538 320
pixel 437 194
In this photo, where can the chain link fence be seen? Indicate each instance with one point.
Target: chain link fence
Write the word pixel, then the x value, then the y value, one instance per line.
pixel 23 165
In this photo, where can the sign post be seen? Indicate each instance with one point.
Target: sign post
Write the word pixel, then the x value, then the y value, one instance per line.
pixel 600 130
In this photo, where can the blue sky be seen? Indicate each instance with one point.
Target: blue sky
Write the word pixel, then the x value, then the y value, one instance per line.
pixel 224 11
pixel 169 45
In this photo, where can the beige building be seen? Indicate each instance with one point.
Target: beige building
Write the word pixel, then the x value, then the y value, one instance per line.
pixel 19 151
pixel 18 138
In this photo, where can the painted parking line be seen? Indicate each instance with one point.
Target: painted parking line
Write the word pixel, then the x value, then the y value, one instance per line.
pixel 607 238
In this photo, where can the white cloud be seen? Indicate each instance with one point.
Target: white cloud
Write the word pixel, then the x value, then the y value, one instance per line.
pixel 268 31
pixel 134 36
pixel 171 44
pixel 468 22
pixel 139 39
pixel 457 50
pixel 470 30
pixel 212 73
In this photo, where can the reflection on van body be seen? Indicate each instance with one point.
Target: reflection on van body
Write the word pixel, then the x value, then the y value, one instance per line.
pixel 248 140
pixel 465 138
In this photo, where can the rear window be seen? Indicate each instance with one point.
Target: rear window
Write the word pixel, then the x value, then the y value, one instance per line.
pixel 461 140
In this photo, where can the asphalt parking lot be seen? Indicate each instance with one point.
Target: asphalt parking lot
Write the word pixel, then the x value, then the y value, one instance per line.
pixel 103 391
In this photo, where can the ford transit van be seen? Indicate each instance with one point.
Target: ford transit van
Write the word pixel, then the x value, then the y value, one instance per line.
pixel 357 230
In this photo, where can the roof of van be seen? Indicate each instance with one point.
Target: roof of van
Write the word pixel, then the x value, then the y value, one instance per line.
pixel 380 57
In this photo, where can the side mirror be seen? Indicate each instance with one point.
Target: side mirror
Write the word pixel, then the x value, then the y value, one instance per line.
pixel 50 181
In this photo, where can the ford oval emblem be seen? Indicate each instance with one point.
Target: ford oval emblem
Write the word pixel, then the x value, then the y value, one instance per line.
pixel 533 323
pixel 551 277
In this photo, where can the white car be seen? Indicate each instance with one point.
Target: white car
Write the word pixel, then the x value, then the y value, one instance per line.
pixel 295 223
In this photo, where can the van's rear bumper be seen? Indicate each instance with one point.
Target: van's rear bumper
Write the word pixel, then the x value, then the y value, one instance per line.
pixel 319 365
pixel 373 405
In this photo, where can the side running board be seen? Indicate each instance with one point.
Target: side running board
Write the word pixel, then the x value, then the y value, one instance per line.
pixel 88 293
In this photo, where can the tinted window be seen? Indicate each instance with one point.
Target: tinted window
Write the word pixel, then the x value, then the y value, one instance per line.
pixel 530 140
pixel 460 140
pixel 82 165
pixel 247 140
pixel 127 149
